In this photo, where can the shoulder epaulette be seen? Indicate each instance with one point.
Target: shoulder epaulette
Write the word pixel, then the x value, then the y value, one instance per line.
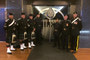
pixel 6 20
pixel 14 19
pixel 27 19
pixel 68 20
pixel 19 19
pixel 79 19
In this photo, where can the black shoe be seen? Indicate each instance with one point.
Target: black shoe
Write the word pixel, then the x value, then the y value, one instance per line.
pixel 59 48
pixel 67 50
pixel 9 53
pixel 63 48
pixel 30 48
pixel 22 49
pixel 74 51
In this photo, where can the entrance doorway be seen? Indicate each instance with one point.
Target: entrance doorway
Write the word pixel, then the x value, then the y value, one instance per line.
pixel 50 13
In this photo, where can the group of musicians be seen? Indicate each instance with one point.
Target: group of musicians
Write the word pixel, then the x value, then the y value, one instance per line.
pixel 30 29
pixel 21 30
pixel 66 33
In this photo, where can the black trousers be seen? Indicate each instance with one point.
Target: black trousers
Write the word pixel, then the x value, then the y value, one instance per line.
pixel 64 39
pixel 73 42
pixel 56 40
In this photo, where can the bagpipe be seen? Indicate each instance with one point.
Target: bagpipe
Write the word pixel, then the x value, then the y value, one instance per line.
pixel 14 38
pixel 33 35
pixel 25 35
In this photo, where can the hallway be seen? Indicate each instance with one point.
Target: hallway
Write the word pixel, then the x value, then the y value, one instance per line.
pixel 82 54
pixel 47 52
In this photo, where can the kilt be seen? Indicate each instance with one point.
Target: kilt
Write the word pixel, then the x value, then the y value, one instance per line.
pixel 9 37
pixel 20 35
pixel 29 34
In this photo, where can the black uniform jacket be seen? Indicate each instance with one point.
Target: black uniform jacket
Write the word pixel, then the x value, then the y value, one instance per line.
pixel 57 28
pixel 10 25
pixel 21 24
pixel 38 24
pixel 76 27
pixel 66 27
pixel 30 24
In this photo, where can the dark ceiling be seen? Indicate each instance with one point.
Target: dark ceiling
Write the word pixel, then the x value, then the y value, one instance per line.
pixel 69 1
pixel 2 2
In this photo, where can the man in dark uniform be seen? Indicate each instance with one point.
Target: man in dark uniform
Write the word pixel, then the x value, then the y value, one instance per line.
pixel 66 25
pixel 75 31
pixel 10 26
pixel 38 26
pixel 30 29
pixel 57 31
pixel 22 25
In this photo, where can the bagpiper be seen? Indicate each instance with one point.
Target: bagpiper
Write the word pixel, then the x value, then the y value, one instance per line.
pixel 10 27
pixel 30 31
pixel 22 26
pixel 38 26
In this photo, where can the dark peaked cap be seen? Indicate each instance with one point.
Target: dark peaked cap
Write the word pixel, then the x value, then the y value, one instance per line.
pixel 10 13
pixel 66 15
pixel 30 14
pixel 75 13
pixel 22 13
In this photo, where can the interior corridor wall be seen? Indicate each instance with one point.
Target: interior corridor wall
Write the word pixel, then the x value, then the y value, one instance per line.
pixel 85 17
pixel 15 7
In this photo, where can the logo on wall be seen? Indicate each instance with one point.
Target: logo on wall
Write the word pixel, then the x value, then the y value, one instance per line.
pixel 50 13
